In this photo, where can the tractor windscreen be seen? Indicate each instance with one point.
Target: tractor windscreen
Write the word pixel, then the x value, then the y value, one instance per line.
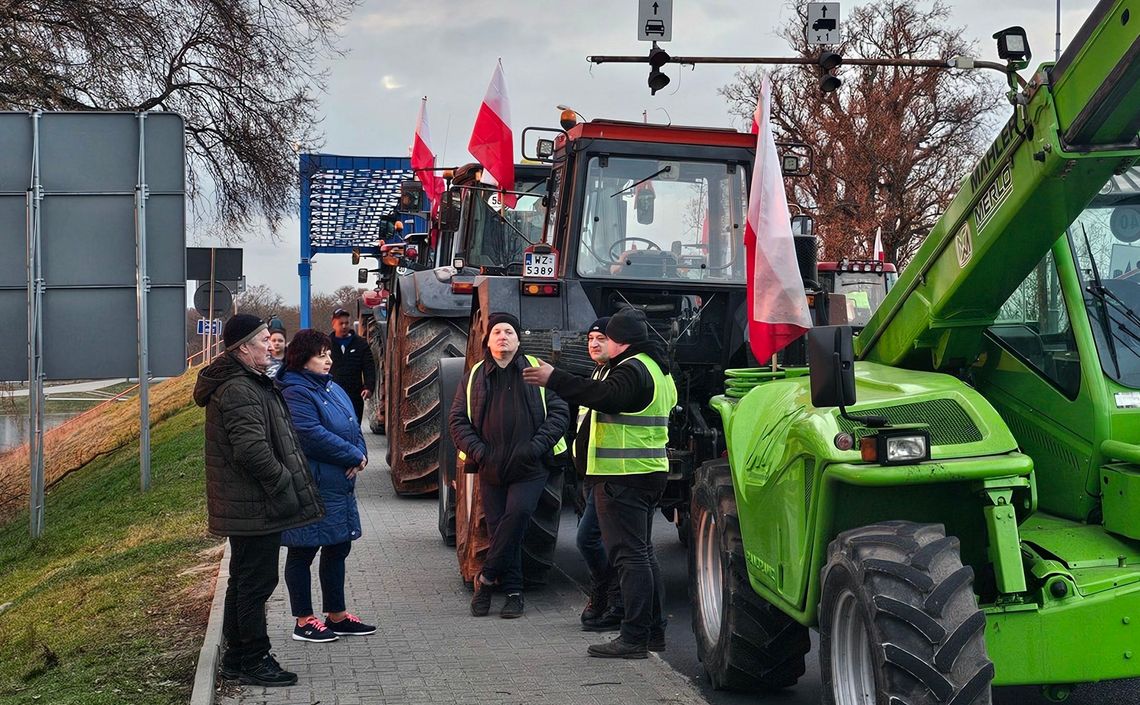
pixel 663 219
pixel 500 233
pixel 1106 242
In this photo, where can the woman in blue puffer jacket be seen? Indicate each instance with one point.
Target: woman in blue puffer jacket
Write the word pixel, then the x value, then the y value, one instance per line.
pixel 330 436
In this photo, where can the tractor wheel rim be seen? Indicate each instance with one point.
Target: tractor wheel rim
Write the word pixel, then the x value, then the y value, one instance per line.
pixel 852 667
pixel 710 580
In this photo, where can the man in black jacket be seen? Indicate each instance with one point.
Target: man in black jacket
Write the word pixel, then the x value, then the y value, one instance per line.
pixel 257 485
pixel 352 365
pixel 628 464
pixel 510 433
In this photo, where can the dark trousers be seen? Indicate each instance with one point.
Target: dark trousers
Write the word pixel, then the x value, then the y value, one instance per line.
pixel 590 541
pixel 357 403
pixel 508 509
pixel 253 578
pixel 625 515
pixel 299 579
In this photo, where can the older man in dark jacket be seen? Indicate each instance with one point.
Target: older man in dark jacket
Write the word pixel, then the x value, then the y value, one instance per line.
pixel 510 432
pixel 257 485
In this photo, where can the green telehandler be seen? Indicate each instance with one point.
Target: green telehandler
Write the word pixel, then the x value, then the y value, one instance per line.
pixel 952 498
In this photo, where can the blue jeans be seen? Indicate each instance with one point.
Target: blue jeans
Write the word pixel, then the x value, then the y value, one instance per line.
pixel 300 581
pixel 625 515
pixel 590 541
pixel 508 509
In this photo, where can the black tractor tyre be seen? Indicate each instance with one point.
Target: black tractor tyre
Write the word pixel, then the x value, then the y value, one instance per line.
pixel 539 541
pixel 898 618
pixel 374 405
pixel 744 642
pixel 684 527
pixel 450 378
pixel 415 413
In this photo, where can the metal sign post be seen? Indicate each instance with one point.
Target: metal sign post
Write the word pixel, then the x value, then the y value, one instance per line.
pixel 143 291
pixel 35 342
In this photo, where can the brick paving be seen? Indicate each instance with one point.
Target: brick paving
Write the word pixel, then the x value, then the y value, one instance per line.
pixel 429 649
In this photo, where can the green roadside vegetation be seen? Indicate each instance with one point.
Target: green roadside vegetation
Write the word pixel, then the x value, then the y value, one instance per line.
pixel 110 605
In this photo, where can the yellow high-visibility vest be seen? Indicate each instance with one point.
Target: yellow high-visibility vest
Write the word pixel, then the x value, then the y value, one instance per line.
pixel 559 447
pixel 634 443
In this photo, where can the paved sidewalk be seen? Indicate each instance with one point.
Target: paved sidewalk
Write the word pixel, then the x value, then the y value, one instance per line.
pixel 429 649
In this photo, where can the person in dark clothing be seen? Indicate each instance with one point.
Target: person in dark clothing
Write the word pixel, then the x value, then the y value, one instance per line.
pixel 276 347
pixel 627 462
pixel 257 485
pixel 353 368
pixel 332 441
pixel 603 611
pixel 511 434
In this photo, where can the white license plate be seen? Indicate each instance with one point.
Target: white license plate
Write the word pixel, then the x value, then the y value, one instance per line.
pixel 540 265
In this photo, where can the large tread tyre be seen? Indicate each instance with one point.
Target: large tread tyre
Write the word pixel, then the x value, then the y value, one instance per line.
pixel 472 540
pixel 899 622
pixel 374 405
pixel 450 379
pixel 414 419
pixel 744 642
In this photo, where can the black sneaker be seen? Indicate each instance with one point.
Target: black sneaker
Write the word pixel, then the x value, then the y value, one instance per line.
pixel 228 672
pixel 618 649
pixel 350 626
pixel 610 621
pixel 313 630
pixel 657 641
pixel 481 602
pixel 513 607
pixel 268 673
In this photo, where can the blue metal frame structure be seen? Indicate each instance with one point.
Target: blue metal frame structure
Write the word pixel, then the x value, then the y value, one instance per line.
pixel 343 200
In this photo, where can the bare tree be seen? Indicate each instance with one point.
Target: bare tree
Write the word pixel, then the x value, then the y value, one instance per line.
pixel 892 144
pixel 240 72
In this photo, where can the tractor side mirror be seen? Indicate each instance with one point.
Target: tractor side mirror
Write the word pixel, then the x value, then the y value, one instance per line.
pixel 355 256
pixel 412 198
pixel 831 358
pixel 362 276
pixel 449 209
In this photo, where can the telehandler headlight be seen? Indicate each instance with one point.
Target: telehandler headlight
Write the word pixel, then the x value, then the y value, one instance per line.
pixel 895 447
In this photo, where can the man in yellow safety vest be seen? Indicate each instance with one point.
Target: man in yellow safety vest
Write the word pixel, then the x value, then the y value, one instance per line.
pixel 627 465
pixel 509 433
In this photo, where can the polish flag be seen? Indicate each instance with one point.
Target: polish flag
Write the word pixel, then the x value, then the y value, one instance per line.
pixel 879 253
pixel 423 159
pixel 492 143
pixel 778 311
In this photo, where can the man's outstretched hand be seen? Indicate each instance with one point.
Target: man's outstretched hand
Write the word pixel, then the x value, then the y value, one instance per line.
pixel 538 375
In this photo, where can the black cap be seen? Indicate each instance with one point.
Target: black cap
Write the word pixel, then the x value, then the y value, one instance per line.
pixel 276 326
pixel 240 329
pixel 599 326
pixel 341 312
pixel 628 326
pixel 495 319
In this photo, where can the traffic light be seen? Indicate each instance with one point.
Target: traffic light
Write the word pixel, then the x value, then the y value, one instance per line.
pixel 828 62
pixel 658 57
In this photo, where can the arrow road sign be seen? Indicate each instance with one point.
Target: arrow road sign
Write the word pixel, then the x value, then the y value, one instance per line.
pixel 823 23
pixel 654 20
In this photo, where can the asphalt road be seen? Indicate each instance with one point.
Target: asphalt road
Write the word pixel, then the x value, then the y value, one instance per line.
pixel 682 649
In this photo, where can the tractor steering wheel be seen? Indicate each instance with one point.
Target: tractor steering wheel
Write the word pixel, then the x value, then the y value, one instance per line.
pixel 614 257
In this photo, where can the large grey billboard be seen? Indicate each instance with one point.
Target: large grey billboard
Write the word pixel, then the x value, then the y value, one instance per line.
pixel 87 168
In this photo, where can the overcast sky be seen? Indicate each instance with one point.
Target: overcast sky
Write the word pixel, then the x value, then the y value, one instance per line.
pixel 401 50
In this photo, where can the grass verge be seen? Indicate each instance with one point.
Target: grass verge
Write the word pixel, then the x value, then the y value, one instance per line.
pixel 110 605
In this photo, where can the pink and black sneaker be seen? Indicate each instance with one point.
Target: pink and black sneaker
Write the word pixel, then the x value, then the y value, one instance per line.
pixel 313 630
pixel 350 626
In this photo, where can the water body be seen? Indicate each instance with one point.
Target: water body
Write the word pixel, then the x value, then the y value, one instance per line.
pixel 14 428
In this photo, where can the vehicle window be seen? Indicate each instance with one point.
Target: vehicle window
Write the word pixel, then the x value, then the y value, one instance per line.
pixel 1034 324
pixel 500 234
pixel 661 219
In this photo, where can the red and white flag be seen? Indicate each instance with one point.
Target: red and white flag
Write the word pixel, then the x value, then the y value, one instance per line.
pixel 423 159
pixel 879 253
pixel 492 143
pixel 778 311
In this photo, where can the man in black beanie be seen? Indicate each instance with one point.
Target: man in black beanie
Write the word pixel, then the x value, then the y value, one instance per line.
pixel 511 434
pixel 627 464
pixel 257 485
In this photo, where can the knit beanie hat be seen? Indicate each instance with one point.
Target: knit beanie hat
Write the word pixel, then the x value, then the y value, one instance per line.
pixel 628 326
pixel 241 329
pixel 497 318
pixel 276 326
pixel 599 326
